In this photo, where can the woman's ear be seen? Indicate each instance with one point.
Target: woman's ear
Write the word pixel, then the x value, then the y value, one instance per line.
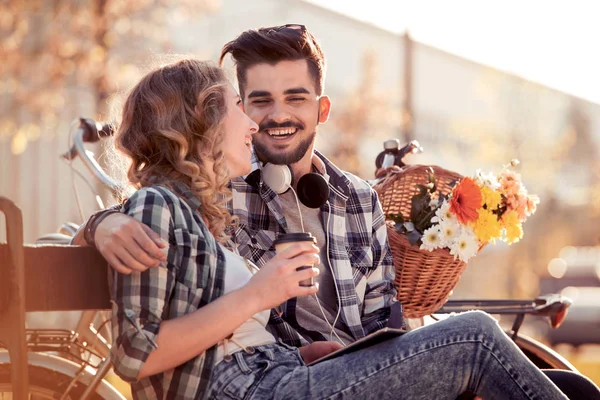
pixel 324 109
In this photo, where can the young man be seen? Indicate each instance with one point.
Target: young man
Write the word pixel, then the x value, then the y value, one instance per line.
pixel 282 88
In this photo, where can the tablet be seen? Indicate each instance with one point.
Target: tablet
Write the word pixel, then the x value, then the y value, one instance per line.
pixel 376 337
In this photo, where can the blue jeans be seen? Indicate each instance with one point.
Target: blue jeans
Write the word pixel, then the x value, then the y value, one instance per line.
pixel 468 351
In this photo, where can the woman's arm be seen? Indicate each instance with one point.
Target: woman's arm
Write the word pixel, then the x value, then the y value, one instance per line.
pixel 147 342
pixel 185 337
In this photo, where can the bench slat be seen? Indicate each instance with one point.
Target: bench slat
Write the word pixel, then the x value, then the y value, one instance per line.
pixel 63 278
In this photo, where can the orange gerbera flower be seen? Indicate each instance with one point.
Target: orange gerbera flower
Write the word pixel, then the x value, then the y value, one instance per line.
pixel 466 200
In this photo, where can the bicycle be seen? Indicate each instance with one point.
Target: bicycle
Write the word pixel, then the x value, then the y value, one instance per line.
pixel 63 364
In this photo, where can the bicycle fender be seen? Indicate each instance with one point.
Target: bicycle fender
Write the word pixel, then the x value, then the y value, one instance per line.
pixel 544 352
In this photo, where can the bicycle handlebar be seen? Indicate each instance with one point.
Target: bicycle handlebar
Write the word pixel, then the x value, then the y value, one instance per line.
pixel 90 131
pixel 553 306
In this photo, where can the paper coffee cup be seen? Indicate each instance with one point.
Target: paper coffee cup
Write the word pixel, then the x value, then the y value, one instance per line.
pixel 288 239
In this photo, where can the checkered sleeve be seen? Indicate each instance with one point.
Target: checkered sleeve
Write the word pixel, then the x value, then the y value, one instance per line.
pixel 380 292
pixel 139 298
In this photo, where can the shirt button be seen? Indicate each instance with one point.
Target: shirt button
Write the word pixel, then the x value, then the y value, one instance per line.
pixel 254 240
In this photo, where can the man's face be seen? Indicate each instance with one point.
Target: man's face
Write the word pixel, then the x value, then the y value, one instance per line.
pixel 282 100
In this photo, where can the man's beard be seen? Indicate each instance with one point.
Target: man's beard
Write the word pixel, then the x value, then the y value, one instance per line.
pixel 280 157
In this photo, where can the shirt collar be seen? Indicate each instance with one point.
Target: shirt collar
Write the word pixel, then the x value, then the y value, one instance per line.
pixel 186 194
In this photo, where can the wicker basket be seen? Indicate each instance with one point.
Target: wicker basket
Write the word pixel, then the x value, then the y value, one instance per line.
pixel 424 279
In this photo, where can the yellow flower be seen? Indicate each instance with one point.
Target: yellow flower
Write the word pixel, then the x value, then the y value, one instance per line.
pixel 491 198
pixel 513 227
pixel 487 227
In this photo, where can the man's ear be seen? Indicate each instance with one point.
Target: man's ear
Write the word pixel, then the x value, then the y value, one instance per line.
pixel 324 109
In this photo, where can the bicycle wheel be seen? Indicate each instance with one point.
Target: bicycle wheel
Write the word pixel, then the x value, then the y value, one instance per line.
pixel 44 384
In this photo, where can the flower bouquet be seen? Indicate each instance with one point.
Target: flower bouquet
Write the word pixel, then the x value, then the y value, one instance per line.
pixel 438 220
pixel 479 210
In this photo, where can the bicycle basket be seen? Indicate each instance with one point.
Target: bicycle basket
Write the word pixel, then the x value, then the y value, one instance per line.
pixel 424 279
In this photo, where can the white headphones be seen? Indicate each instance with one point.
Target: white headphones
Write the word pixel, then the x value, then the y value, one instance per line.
pixel 312 188
pixel 278 177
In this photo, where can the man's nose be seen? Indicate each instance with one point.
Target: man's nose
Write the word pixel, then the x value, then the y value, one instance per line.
pixel 279 113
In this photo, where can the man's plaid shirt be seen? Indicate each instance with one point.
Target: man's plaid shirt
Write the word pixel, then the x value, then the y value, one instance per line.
pixel 192 277
pixel 361 259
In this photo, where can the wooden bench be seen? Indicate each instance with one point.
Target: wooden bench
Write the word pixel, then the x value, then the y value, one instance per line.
pixel 42 278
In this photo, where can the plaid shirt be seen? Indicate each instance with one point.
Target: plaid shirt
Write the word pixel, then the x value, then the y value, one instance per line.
pixel 361 260
pixel 192 276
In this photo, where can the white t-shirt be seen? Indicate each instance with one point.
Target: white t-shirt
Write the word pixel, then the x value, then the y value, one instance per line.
pixel 252 332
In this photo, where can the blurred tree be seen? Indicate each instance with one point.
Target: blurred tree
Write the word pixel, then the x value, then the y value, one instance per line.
pixel 54 49
pixel 363 114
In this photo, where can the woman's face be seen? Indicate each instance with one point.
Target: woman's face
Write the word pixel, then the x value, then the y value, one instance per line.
pixel 238 129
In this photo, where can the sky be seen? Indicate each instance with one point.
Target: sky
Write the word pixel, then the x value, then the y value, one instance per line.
pixel 555 43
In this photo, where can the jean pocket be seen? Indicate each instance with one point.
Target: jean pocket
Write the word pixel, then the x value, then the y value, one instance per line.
pixel 242 385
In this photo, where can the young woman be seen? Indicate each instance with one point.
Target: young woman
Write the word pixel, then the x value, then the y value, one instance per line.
pixel 195 326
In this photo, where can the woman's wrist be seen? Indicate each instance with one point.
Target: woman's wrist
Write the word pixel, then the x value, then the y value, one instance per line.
pixel 252 299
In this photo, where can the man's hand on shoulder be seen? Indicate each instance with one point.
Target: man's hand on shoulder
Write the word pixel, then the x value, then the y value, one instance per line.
pixel 317 350
pixel 127 244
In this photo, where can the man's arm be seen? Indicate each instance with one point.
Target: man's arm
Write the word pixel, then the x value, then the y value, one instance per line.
pixel 127 244
pixel 380 293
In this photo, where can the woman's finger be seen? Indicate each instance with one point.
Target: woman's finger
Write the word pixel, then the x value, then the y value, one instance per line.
pixel 305 259
pixel 298 249
pixel 307 290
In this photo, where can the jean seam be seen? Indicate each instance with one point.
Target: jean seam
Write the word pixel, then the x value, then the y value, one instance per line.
pixel 423 351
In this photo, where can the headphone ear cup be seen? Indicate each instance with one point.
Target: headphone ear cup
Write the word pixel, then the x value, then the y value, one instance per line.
pixel 278 177
pixel 313 190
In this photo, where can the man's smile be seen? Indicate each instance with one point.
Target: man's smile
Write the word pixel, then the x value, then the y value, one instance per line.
pixel 281 133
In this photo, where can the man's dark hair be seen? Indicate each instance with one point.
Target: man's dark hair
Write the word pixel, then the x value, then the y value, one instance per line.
pixel 272 45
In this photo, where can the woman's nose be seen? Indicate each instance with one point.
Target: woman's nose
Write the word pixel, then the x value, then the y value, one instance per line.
pixel 253 126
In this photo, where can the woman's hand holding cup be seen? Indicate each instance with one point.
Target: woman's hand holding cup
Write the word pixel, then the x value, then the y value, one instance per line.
pixel 279 280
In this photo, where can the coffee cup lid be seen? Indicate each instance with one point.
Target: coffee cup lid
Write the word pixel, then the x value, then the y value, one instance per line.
pixel 295 237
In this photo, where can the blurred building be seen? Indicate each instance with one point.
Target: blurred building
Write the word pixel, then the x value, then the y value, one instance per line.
pixel 466 116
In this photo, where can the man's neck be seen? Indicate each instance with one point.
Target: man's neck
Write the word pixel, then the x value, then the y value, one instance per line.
pixel 303 167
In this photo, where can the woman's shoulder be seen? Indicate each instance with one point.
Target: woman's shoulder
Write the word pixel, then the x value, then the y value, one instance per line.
pixel 159 202
pixel 153 196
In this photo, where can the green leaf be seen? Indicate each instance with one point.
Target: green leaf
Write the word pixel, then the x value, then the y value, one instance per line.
pixel 398 218
pixel 441 198
pixel 400 228
pixel 413 237
pixel 419 205
pixel 431 179
pixel 422 190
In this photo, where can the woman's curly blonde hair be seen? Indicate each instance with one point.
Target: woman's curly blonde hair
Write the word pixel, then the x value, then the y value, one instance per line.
pixel 171 125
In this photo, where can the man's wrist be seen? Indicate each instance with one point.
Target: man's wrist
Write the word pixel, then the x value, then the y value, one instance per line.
pixel 92 223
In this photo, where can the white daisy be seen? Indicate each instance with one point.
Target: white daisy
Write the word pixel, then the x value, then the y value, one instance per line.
pixel 431 238
pixel 489 180
pixel 465 246
pixel 449 231
pixel 443 214
pixel 433 203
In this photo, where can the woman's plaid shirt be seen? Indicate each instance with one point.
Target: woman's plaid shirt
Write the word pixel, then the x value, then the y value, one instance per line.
pixel 361 259
pixel 192 276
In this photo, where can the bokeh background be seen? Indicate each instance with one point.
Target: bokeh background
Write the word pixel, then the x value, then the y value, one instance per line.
pixel 477 83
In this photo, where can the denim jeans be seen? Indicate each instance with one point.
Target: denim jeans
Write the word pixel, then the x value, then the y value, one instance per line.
pixel 468 351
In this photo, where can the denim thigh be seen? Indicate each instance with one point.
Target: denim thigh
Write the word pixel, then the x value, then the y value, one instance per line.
pixel 239 378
